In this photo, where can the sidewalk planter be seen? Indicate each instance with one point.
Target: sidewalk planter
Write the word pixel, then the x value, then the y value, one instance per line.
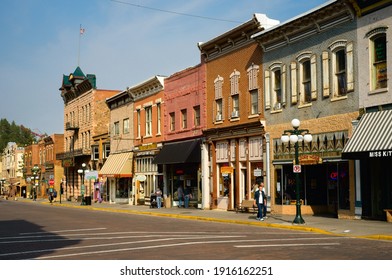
pixel 388 213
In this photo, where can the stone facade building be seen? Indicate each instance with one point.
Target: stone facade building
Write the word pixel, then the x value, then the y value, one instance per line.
pixel 85 115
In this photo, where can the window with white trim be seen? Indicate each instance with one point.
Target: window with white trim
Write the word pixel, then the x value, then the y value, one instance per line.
pixel 342 69
pixel 148 111
pixel 253 87
pixel 126 126
pixel 307 78
pixel 378 58
pixel 138 123
pixel 106 150
pixel 255 148
pixel 218 108
pixel 116 128
pixel 95 152
pixel 235 94
pixel 158 118
pixel 222 154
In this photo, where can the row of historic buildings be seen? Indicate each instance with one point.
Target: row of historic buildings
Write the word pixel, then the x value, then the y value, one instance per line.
pixel 215 127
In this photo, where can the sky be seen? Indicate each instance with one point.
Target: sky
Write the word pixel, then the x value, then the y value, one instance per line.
pixel 124 43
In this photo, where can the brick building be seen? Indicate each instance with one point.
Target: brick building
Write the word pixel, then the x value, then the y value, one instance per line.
pixel 148 137
pixel 184 118
pixel 233 151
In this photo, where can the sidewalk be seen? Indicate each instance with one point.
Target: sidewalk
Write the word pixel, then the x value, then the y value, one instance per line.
pixel 318 224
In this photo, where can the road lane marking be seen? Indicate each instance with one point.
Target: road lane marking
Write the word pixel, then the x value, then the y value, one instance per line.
pixel 58 231
pixel 286 245
pixel 162 246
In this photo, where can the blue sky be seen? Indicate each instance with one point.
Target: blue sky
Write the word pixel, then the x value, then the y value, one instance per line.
pixel 125 42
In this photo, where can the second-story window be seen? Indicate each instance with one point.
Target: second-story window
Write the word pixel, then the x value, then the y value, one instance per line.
pixel 116 128
pixel 235 94
pixel 106 150
pixel 196 116
pixel 172 121
pixel 148 111
pixel 95 152
pixel 306 82
pixel 218 108
pixel 184 119
pixel 138 123
pixel 340 56
pixel 158 118
pixel 125 126
pixel 379 60
pixel 342 69
pixel 277 89
pixel 253 88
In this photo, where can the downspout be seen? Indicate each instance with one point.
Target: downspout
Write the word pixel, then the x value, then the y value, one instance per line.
pixel 267 170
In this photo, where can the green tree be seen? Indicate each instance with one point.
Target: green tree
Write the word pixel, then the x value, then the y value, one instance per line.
pixel 14 133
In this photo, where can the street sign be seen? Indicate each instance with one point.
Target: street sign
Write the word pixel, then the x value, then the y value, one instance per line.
pixel 297 168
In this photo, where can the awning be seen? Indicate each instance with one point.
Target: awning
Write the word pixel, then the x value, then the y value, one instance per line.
pixel 117 165
pixel 372 138
pixel 179 152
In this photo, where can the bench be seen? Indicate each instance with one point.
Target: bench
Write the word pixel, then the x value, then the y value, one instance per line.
pixel 246 206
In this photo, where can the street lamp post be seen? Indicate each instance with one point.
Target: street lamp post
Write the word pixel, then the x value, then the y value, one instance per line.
pixel 2 185
pixel 81 173
pixel 35 180
pixel 295 136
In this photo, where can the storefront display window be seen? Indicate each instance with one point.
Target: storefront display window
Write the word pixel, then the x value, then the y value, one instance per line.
pixel 122 187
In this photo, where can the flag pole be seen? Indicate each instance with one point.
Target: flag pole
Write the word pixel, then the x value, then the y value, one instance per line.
pixel 80 35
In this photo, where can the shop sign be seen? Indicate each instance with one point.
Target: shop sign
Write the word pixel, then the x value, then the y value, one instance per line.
pixel 310 159
pixel 380 154
pixel 92 175
pixel 141 178
pixel 257 172
pixel 148 147
pixel 67 162
pixel 227 169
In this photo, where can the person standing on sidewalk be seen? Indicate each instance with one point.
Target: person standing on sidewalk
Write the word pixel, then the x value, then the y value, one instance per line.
pixel 158 194
pixel 259 201
pixel 180 194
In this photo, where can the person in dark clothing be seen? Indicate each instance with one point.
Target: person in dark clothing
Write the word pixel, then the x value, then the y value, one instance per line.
pixel 260 200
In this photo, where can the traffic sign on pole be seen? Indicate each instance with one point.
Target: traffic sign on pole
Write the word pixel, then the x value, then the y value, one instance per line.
pixel 297 168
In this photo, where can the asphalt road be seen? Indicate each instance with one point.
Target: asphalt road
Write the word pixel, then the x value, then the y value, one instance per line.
pixel 45 232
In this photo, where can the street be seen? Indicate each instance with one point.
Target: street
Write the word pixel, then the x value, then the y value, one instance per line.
pixel 46 232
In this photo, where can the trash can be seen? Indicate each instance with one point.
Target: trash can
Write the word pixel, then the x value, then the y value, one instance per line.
pixel 87 199
pixel 168 203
